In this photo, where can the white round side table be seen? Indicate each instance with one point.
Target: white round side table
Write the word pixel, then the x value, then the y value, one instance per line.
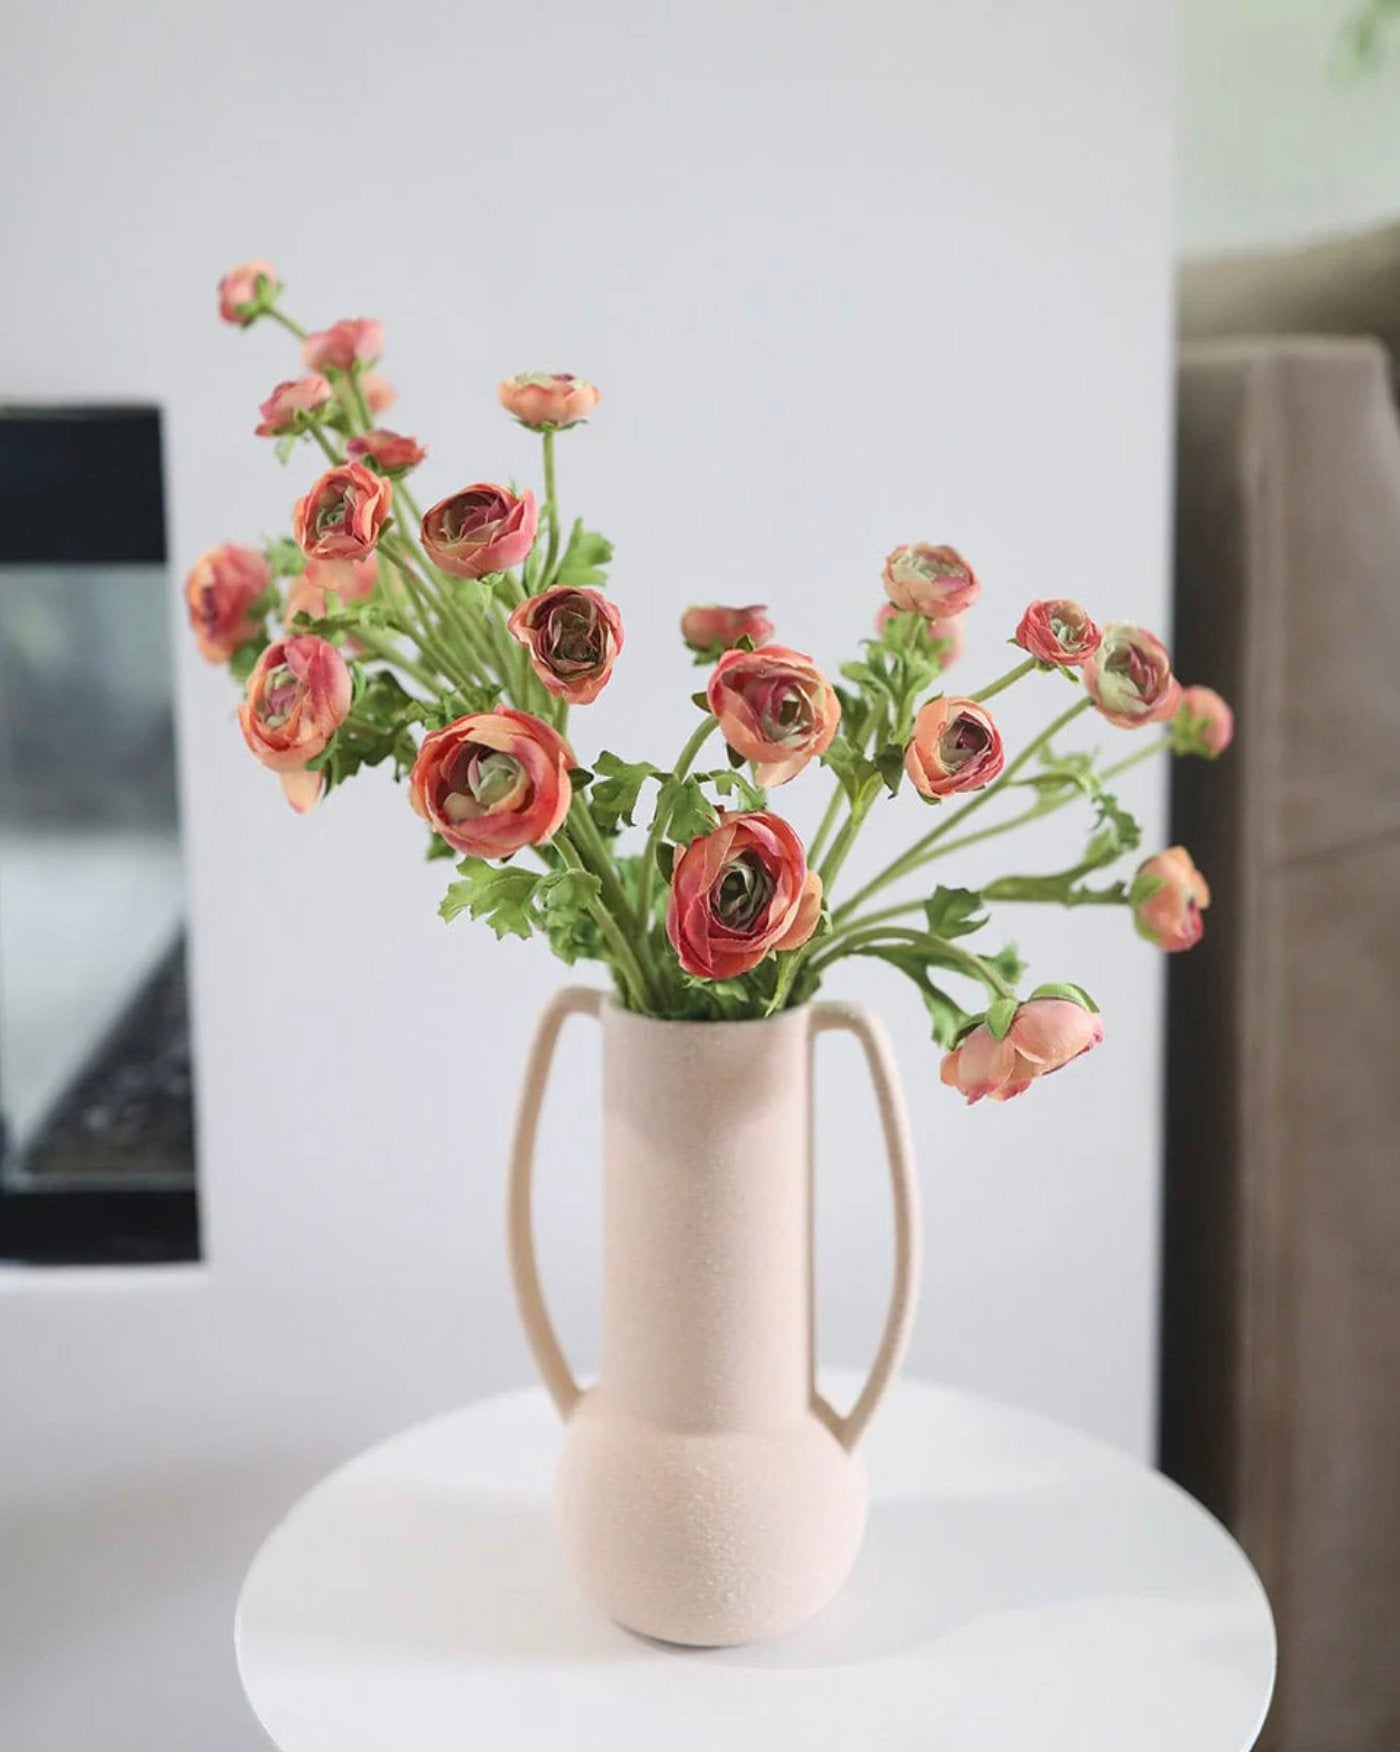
pixel 1022 1588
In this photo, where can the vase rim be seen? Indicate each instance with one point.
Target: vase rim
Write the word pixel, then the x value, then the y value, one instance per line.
pixel 612 1008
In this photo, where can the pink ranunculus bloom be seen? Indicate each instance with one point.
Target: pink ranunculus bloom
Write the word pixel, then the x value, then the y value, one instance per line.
pixel 342 515
pixel 493 782
pixel 548 398
pixel 1045 1034
pixel 290 404
pixel 220 591
pixel 390 453
pixel 351 580
pixel 1129 677
pixel 710 627
pixel 483 528
pixel 298 696
pixel 1204 723
pixel 1058 631
pixel 935 582
pixel 378 392
pixel 246 291
pixel 775 708
pixel 740 892
pixel 956 746
pixel 1168 896
pixel 950 632
pixel 573 636
pixel 354 340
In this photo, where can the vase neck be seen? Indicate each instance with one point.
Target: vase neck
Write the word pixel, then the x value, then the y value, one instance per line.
pixel 707 1230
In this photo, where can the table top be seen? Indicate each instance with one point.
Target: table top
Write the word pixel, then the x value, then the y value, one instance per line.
pixel 1021 1586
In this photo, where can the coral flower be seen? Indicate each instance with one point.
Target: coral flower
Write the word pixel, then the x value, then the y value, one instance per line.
pixel 483 528
pixel 548 398
pixel 1129 677
pixel 220 592
pixel 342 515
pixel 956 746
pixel 1168 896
pixel 932 581
pixel 390 453
pixel 246 291
pixel 1045 1034
pixel 573 637
pixel 493 782
pixel 1058 631
pixel 739 893
pixel 1204 723
pixel 357 340
pixel 350 580
pixel 710 628
pixel 291 404
pixel 297 697
pixel 775 708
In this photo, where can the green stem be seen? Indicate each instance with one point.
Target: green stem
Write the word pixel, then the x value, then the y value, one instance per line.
pixel 388 653
pixel 911 859
pixel 294 328
pixel 333 456
pixel 1121 766
pixel 551 509
pixel 846 838
pixel 661 819
pixel 965 960
pixel 455 664
pixel 629 971
pixel 1003 682
pixel 828 822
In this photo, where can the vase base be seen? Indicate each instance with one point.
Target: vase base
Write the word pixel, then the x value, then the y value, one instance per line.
pixel 707 1539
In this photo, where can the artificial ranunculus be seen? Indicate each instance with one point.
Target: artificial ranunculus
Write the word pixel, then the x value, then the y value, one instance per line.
pixel 932 581
pixel 297 697
pixel 775 708
pixel 483 528
pixel 1129 677
pixel 378 392
pixel 956 746
pixel 1058 631
pixel 710 627
pixel 1204 723
pixel 303 789
pixel 548 398
pixel 220 591
pixel 246 291
pixel 739 893
pixel 493 782
pixel 291 404
pixel 349 580
pixel 950 632
pixel 342 515
pixel 1045 1034
pixel 573 637
pixel 1168 896
pixel 354 340
pixel 389 453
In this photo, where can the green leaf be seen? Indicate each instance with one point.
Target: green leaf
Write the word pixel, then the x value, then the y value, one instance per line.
pixel 666 860
pixel 1008 963
pixel 1064 989
pixel 438 848
pixel 284 557
pixel 948 1017
pixel 378 728
pixel 686 809
pixel 889 761
pixel 498 894
pixel 585 556
pixel 853 771
pixel 731 782
pixel 1000 1016
pixel 955 912
pixel 240 665
pixel 616 788
pixel 284 446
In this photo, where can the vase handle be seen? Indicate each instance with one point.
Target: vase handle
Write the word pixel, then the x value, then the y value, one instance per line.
pixel 524 1271
pixel 894 1122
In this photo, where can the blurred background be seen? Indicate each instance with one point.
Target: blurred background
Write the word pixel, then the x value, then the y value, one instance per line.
pixel 1106 293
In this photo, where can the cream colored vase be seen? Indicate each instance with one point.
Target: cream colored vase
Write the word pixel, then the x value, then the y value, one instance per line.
pixel 706 1493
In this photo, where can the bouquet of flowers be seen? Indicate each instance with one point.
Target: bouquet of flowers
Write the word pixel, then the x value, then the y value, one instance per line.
pixel 453 644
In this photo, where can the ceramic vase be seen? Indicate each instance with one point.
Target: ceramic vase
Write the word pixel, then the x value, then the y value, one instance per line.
pixel 706 1493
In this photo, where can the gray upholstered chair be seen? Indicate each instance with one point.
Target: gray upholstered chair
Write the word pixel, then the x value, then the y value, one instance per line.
pixel 1281 1312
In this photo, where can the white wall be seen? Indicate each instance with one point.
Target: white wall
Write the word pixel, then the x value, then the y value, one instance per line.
pixel 848 276
pixel 1281 138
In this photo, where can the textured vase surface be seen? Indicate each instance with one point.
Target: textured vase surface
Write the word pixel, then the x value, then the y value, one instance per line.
pixel 706 1493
